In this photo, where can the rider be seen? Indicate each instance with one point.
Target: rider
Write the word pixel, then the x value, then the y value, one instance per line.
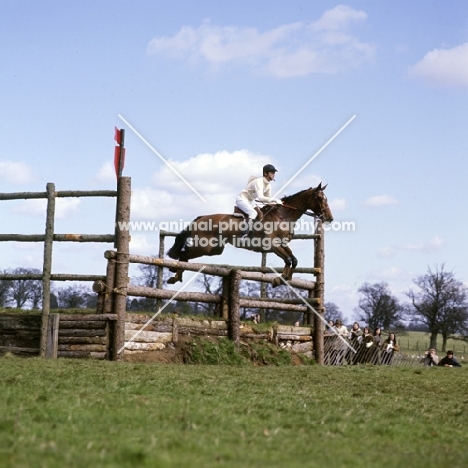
pixel 258 189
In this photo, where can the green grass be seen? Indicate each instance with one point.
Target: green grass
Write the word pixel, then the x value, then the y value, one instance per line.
pixel 73 413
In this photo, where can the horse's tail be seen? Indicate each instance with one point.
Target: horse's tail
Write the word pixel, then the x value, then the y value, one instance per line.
pixel 179 244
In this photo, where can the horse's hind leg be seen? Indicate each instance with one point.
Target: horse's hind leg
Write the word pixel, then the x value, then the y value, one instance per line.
pixel 177 277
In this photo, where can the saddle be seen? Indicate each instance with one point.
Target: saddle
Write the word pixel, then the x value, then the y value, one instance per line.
pixel 239 212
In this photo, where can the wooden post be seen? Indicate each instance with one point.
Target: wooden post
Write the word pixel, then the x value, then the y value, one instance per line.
pixel 109 295
pixel 119 170
pixel 159 283
pixel 233 322
pixel 121 275
pixel 319 262
pixel 47 266
pixel 175 330
pixel 263 287
pixel 52 336
pixel 101 296
pixel 226 298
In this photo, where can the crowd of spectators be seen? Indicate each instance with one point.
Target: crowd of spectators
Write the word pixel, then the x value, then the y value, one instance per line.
pixel 360 346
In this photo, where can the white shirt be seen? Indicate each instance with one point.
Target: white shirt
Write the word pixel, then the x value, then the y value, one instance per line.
pixel 258 188
pixel 343 331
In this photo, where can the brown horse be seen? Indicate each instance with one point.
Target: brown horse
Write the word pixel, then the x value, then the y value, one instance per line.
pixel 208 235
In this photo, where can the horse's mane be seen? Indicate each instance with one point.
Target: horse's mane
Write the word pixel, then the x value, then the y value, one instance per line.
pixel 290 198
pixel 287 199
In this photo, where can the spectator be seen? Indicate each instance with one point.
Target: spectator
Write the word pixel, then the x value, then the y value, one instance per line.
pixel 340 342
pixel 430 358
pixel 329 326
pixel 378 337
pixel 375 349
pixel 355 337
pixel 329 343
pixel 389 346
pixel 449 360
pixel 366 349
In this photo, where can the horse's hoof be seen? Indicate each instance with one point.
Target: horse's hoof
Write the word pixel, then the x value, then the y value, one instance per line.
pixel 276 282
pixel 172 280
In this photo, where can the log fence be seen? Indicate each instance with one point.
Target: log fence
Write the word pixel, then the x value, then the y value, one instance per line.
pixel 48 345
pixel 116 288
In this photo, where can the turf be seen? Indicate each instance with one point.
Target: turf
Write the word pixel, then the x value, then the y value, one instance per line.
pixel 73 413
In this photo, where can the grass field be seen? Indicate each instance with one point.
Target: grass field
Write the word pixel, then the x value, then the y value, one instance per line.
pixel 72 413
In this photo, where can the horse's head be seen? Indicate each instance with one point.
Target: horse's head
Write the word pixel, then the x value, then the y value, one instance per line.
pixel 318 203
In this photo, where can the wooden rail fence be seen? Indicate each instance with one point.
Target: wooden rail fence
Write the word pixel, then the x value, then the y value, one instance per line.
pixel 122 194
pixel 115 289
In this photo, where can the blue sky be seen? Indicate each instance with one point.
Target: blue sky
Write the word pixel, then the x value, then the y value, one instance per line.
pixel 221 88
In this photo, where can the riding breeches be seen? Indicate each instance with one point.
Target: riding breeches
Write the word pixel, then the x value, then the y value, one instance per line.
pixel 246 207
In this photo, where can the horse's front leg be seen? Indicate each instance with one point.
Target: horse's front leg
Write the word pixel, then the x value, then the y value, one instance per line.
pixel 293 263
pixel 289 262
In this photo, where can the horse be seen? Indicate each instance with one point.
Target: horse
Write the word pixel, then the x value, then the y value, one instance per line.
pixel 209 234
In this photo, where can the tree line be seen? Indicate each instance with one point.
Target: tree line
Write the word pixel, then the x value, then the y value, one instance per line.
pixel 27 293
pixel 437 301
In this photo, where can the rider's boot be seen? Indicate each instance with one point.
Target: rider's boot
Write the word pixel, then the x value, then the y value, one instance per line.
pixel 249 229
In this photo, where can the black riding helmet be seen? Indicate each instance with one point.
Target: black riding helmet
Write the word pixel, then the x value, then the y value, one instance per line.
pixel 269 168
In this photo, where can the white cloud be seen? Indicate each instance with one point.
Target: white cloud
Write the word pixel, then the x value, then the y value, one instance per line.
pixel 290 50
pixel 338 18
pixel 434 244
pixel 106 173
pixel 338 204
pixel 212 175
pixel 386 252
pixel 394 273
pixel 443 67
pixel 145 244
pixel 15 172
pixel 380 200
pixel 64 207
pixel 153 205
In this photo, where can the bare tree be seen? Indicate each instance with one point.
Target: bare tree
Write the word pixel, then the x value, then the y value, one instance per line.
pixel 441 303
pixel 72 297
pixel 378 308
pixel 4 292
pixel 250 289
pixel 36 289
pixel 20 290
pixel 332 312
pixel 209 285
pixel 148 278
